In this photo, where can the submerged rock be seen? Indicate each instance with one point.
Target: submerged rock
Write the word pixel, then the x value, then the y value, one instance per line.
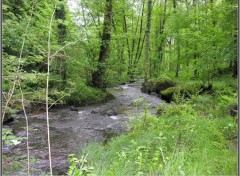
pixel 73 108
pixel 94 112
pixel 7 119
pixel 111 112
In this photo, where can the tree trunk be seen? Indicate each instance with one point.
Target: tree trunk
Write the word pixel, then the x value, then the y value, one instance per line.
pixel 97 76
pixel 138 52
pixel 178 60
pixel 161 30
pixel 62 31
pixel 147 63
pixel 195 55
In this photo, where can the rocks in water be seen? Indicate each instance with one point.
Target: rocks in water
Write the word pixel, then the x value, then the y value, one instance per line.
pixel 94 112
pixel 114 117
pixel 111 112
pixel 7 119
pixel 73 108
pixel 154 93
pixel 108 97
pixel 234 110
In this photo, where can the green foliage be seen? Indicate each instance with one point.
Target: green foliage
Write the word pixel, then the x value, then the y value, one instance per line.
pixel 78 167
pixel 8 138
pixel 192 137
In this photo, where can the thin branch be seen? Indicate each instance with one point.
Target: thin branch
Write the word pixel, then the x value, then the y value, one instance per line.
pixel 61 49
pixel 41 51
pixel 48 73
pixel 56 101
pixel 26 117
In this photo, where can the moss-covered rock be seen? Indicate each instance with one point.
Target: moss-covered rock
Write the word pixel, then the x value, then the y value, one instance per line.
pixel 88 96
pixel 163 84
pixel 149 87
pixel 157 86
pixel 183 91
pixel 167 94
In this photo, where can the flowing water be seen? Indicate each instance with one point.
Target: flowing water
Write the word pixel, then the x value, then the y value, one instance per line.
pixel 72 128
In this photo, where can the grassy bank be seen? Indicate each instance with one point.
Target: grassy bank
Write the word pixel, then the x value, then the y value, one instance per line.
pixel 191 137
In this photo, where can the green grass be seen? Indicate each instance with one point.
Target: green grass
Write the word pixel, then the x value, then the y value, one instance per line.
pixel 197 136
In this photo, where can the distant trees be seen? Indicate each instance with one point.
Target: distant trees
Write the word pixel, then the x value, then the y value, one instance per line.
pixel 120 40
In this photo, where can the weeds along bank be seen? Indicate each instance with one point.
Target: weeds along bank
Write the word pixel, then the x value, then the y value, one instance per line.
pixel 196 136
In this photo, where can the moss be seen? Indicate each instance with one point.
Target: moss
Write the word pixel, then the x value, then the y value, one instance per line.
pixel 168 94
pixel 163 84
pixel 149 87
pixel 88 95
pixel 157 85
pixel 184 91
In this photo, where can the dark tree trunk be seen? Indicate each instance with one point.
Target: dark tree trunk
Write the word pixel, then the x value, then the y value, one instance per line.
pixel 140 40
pixel 62 31
pixel 235 68
pixel 97 76
pixel 235 62
pixel 195 55
pixel 178 60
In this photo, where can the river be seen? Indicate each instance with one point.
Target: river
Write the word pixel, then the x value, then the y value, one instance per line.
pixel 72 128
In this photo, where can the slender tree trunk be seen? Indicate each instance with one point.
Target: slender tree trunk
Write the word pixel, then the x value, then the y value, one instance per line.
pixel 125 29
pixel 195 55
pixel 178 60
pixel 235 62
pixel 47 89
pixel 97 76
pixel 161 43
pixel 148 29
pixel 177 44
pixel 140 40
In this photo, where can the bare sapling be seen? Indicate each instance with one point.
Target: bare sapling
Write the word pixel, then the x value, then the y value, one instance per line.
pixel 47 86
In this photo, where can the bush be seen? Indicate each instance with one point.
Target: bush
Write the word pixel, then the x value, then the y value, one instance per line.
pixel 84 94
